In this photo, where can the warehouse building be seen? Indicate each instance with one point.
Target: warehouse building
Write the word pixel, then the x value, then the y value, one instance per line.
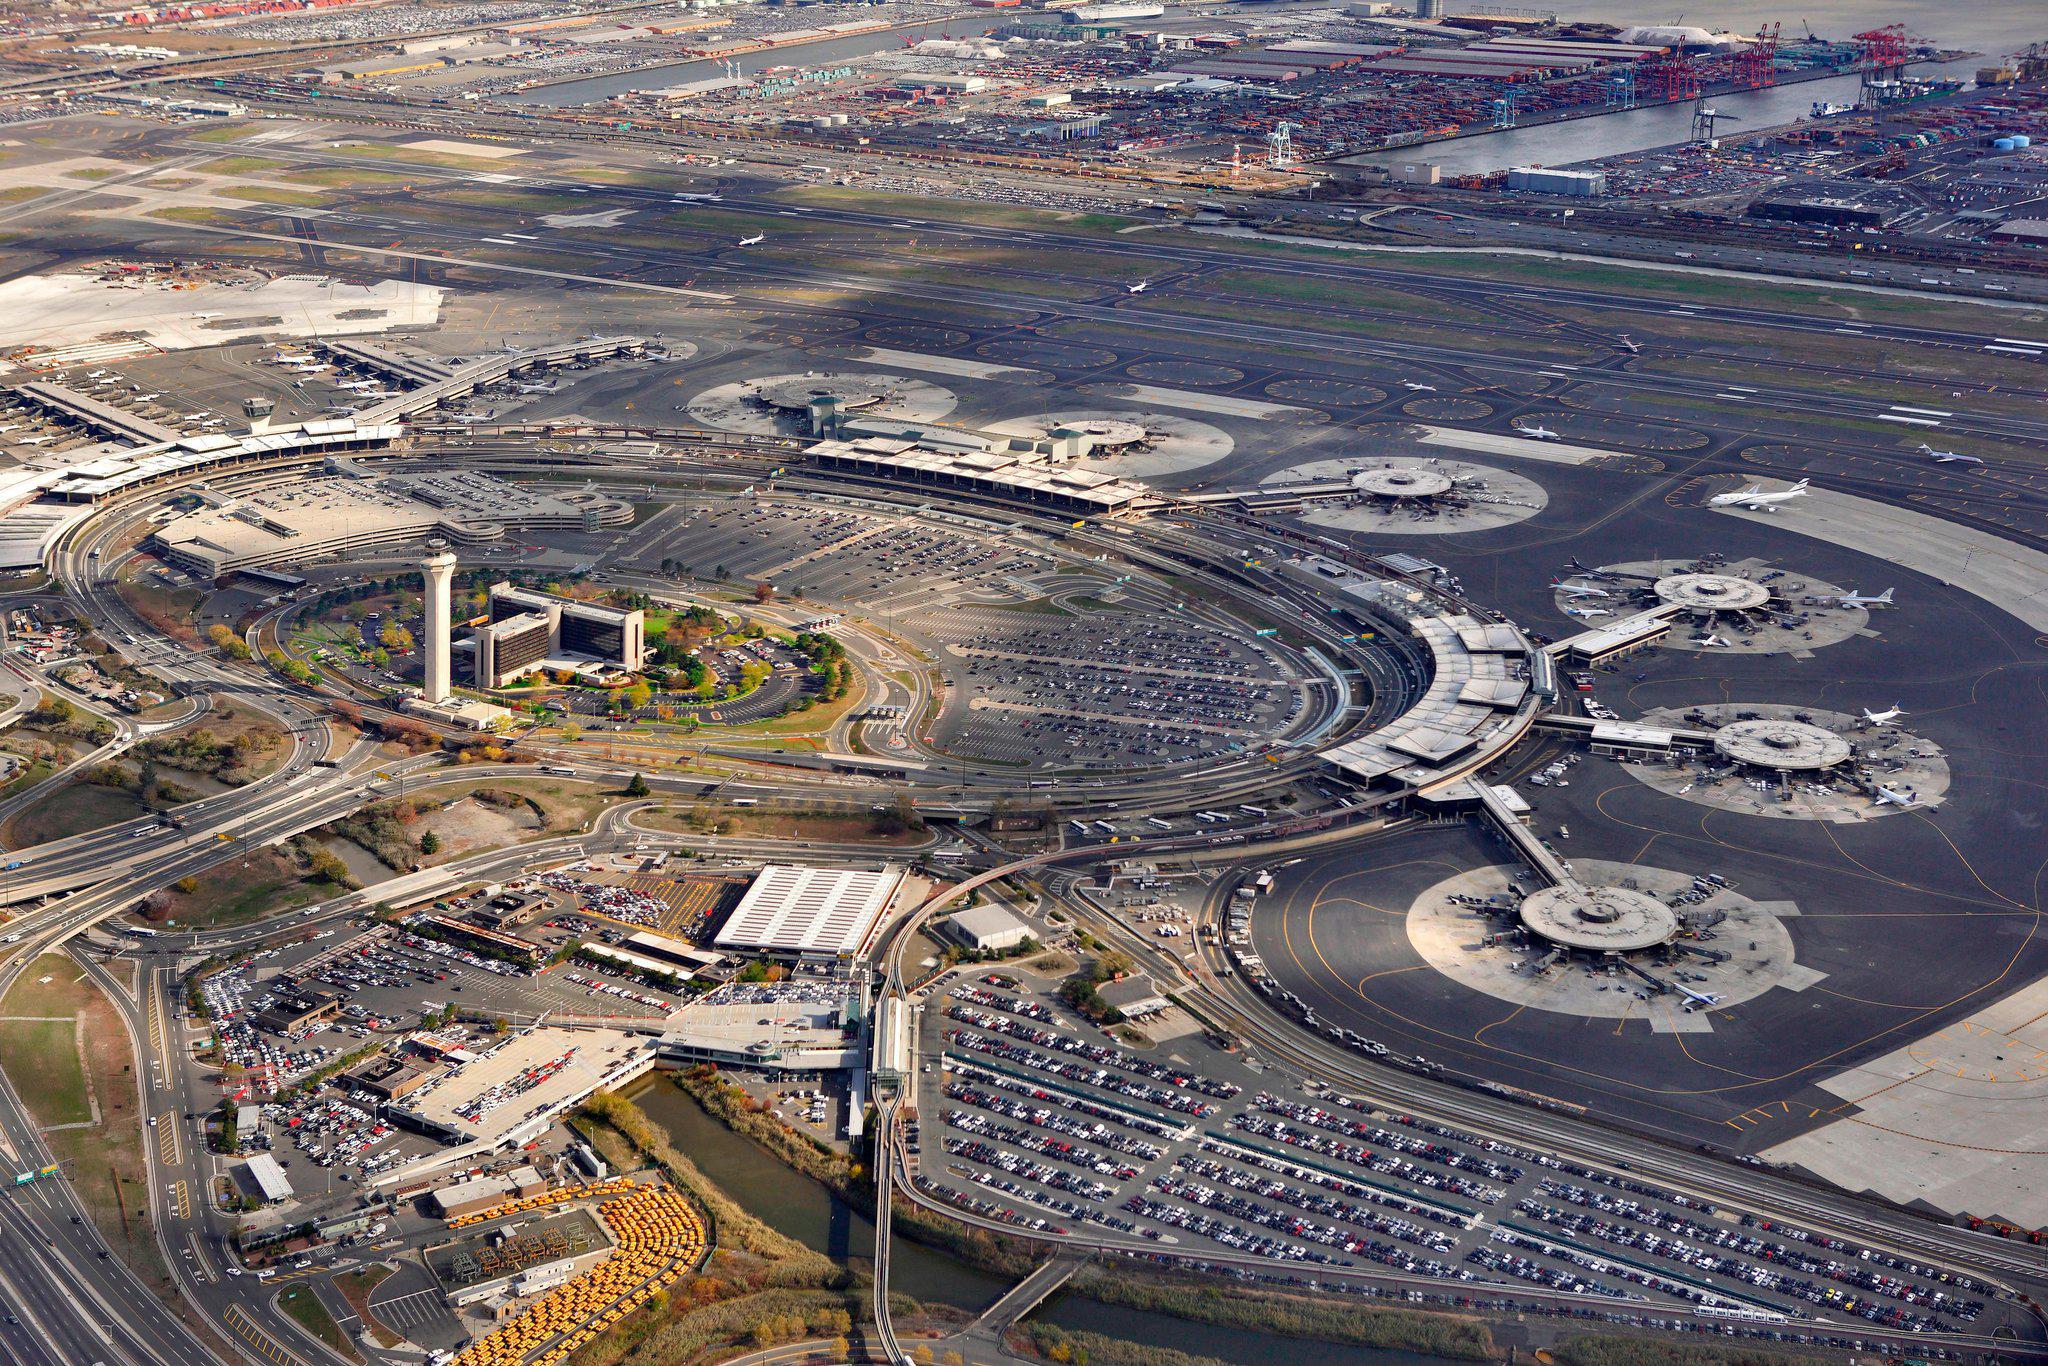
pixel 813 913
pixel 459 1198
pixel 987 929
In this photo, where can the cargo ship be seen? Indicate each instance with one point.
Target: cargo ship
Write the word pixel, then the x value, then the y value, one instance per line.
pixel 1892 94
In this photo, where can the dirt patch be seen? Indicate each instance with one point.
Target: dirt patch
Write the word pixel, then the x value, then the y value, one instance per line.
pixel 468 825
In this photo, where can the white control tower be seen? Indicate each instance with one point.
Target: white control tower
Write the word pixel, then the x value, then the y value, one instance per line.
pixel 439 571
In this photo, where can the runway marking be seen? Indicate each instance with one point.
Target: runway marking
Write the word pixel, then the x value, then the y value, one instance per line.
pixel 247 1330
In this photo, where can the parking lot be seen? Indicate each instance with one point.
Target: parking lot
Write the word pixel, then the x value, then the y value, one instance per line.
pixel 1034 1117
pixel 1113 689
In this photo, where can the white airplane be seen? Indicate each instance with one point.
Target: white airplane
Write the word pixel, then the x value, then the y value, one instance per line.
pixel 289 358
pixel 1418 388
pixel 1883 718
pixel 35 440
pixel 1715 643
pixel 756 240
pixel 1754 497
pixel 146 398
pixel 1538 433
pixel 1139 288
pixel 359 384
pixel 10 427
pixel 536 388
pixel 203 317
pixel 1588 613
pixel 1573 590
pixel 1885 796
pixel 1949 457
pixel 1852 598
pixel 1628 345
pixel 311 367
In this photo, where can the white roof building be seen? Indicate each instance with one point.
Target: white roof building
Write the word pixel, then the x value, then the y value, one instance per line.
pixel 816 912
pixel 268 1178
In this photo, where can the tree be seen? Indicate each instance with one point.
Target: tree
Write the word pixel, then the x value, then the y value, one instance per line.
pixel 394 636
pixel 764 592
pixel 637 787
pixel 430 843
pixel 638 694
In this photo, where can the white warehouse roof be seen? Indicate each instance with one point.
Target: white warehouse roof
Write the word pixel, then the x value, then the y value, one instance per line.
pixel 811 910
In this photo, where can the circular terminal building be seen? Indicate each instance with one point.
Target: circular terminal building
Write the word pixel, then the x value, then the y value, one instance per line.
pixel 1401 485
pixel 1781 746
pixel 1585 919
pixel 1105 434
pixel 1710 593
pixel 852 393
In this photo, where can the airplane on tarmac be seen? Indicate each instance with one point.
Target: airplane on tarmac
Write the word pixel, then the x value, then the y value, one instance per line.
pixel 35 440
pixel 1698 998
pixel 756 240
pixel 293 358
pixel 1754 497
pixel 1138 288
pixel 1573 590
pixel 1852 598
pixel 536 388
pixel 1715 643
pixel 145 398
pixel 1418 388
pixel 1588 613
pixel 1949 457
pixel 1579 567
pixel 1538 433
pixel 1883 718
pixel 1628 345
pixel 1885 796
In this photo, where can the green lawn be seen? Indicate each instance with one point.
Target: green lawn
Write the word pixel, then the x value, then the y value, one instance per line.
pixel 45 1050
pixel 72 809
pixel 310 1314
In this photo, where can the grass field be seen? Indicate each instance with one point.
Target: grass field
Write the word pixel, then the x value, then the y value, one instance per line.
pixel 231 893
pixel 81 1056
pixel 71 809
pixel 277 194
pixel 356 1287
pixel 309 1313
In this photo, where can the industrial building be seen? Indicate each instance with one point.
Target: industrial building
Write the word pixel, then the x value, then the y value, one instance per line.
pixel 828 913
pixel 459 1198
pixel 987 929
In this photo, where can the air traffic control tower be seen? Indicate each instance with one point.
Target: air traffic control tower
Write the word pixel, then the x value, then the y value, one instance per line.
pixel 439 572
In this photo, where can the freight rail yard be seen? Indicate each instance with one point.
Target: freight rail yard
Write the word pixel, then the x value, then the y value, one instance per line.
pixel 926 683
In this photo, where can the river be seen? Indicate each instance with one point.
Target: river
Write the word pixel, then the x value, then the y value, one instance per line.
pixel 795 1205
pixel 1990 27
